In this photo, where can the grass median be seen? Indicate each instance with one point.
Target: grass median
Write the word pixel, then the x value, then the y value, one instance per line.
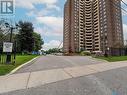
pixel 114 58
pixel 20 59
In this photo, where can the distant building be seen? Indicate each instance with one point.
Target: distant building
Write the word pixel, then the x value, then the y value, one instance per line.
pixel 93 25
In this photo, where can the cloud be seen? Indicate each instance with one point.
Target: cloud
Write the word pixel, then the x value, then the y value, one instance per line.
pixel 50 21
pixel 51 6
pixel 48 10
pixel 37 13
pixel 24 4
pixel 125 1
pixel 30 4
pixel 45 32
pixel 51 26
pixel 51 44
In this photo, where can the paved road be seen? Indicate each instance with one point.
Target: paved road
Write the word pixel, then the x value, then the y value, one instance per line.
pixel 112 82
pixel 55 62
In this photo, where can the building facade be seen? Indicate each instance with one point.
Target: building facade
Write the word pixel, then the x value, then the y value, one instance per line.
pixel 93 25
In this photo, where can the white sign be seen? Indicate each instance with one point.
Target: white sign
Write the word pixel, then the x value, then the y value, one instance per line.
pixel 7 47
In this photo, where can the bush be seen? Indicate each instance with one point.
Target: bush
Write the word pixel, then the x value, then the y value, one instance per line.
pixel 85 53
pixel 97 53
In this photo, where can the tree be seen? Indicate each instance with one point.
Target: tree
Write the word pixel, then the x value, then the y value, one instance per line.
pixel 1 36
pixel 53 50
pixel 38 41
pixel 25 36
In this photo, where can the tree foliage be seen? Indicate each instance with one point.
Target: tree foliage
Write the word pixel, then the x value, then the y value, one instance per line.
pixel 53 50
pixel 26 39
pixel 25 36
pixel 38 42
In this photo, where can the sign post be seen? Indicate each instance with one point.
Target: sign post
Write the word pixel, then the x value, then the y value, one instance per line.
pixel 7 47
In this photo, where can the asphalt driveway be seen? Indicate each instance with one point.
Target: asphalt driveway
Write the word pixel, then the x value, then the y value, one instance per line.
pixel 55 62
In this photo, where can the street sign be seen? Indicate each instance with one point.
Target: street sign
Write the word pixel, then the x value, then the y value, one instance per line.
pixel 7 47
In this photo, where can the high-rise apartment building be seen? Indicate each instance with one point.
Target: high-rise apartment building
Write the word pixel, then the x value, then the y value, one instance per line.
pixel 93 25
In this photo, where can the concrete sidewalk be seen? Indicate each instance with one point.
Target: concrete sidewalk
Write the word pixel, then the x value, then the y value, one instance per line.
pixel 34 79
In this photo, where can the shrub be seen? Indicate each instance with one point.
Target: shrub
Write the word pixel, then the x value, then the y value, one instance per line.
pixel 97 53
pixel 85 53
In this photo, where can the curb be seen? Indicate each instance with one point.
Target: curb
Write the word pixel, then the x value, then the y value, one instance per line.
pixel 19 67
pixel 100 60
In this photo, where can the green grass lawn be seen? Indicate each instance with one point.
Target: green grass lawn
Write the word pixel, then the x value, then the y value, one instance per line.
pixel 20 59
pixel 114 58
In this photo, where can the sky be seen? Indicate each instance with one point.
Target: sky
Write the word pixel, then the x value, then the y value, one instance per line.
pixel 124 16
pixel 47 18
